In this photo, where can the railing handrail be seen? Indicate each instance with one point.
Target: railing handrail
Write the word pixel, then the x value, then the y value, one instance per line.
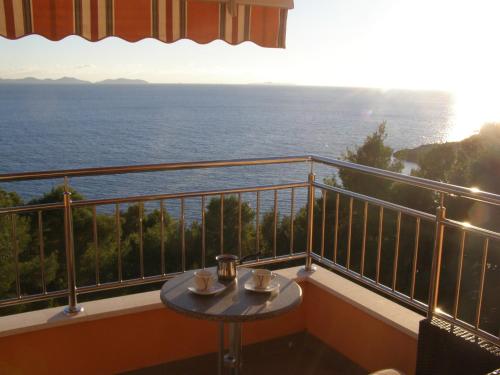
pixel 471 193
pixel 100 171
pixel 437 186
pixel 378 202
pixel 440 220
pixel 146 198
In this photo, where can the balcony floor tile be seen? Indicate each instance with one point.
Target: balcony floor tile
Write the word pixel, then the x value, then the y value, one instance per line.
pixel 295 354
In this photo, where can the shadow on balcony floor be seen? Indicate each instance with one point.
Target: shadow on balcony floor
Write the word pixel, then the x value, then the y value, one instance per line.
pixel 296 354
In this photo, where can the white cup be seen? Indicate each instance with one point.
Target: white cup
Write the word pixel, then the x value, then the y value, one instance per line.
pixel 203 279
pixel 262 278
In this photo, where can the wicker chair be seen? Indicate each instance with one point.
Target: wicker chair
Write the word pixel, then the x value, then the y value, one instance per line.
pixel 444 349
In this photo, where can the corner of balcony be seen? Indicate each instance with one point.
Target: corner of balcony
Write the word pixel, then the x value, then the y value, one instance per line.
pixel 358 314
pixel 354 328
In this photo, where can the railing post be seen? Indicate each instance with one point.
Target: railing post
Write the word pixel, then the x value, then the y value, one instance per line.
pixel 436 258
pixel 310 222
pixel 72 307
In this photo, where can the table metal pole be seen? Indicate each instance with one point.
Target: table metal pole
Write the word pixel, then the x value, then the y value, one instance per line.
pixel 220 361
pixel 233 358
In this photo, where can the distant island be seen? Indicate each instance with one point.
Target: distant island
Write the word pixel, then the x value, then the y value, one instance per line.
pixel 474 161
pixel 71 81
pixel 122 81
pixel 488 139
pixel 414 155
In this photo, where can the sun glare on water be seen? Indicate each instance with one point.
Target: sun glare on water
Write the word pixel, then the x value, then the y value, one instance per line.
pixel 473 72
pixel 472 109
pixel 456 49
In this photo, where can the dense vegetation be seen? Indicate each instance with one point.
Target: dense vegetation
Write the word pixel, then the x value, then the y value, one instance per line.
pixel 472 162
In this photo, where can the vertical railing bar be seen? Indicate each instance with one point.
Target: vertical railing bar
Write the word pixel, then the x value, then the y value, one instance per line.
pixel 96 244
pixel 257 222
pixel 436 258
pixel 379 245
pixel 222 223
pixel 292 219
pixel 323 223
pixel 118 241
pixel 349 234
pixel 460 262
pixel 72 307
pixel 15 253
pixel 203 233
pixel 396 252
pixel 336 229
pixel 162 237
pixel 141 243
pixel 41 246
pixel 363 244
pixel 275 222
pixel 239 225
pixel 415 258
pixel 310 221
pixel 481 283
pixel 183 237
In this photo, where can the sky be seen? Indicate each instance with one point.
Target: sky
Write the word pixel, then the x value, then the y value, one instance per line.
pixel 450 45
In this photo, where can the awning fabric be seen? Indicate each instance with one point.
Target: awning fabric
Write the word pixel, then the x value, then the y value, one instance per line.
pixel 260 21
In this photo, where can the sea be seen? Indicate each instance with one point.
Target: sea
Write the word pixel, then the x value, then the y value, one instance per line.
pixel 46 127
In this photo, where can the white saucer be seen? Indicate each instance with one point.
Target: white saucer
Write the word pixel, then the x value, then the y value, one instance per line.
pixel 273 285
pixel 214 289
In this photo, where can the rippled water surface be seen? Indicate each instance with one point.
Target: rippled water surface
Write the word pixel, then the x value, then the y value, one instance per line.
pixel 58 127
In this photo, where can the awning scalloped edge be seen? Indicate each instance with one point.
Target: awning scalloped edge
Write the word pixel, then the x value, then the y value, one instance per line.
pixel 233 21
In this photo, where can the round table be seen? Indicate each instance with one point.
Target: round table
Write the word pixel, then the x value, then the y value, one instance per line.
pixel 234 305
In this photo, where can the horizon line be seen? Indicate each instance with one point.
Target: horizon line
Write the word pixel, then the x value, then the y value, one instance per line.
pixel 88 82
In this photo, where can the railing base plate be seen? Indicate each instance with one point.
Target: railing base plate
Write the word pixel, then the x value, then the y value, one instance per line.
pixel 312 269
pixel 72 311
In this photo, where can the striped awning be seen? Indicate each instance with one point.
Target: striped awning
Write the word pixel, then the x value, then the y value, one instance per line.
pixel 234 21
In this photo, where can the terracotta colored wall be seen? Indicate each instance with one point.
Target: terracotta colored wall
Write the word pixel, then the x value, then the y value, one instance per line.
pixel 367 341
pixel 126 342
pixel 147 338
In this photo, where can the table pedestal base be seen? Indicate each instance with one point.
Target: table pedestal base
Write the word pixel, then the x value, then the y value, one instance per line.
pixel 231 359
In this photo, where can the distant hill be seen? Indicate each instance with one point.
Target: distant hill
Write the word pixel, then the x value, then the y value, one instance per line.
pixel 122 81
pixel 474 161
pixel 70 81
pixel 47 81
pixel 488 137
pixel 415 154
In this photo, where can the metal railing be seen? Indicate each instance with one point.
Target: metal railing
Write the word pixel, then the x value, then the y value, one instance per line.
pixel 440 222
pixel 316 231
pixel 68 206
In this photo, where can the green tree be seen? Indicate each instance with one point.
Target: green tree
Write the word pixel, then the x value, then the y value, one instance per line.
pixel 27 245
pixel 374 153
pixel 7 260
pixel 230 227
pixel 53 233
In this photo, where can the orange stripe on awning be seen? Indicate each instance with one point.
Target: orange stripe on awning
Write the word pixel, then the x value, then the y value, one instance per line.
pixel 202 21
pixel 10 31
pixel 265 26
pixel 133 19
pixel 260 21
pixel 53 19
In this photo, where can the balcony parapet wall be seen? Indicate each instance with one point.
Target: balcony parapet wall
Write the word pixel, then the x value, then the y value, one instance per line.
pixel 135 331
